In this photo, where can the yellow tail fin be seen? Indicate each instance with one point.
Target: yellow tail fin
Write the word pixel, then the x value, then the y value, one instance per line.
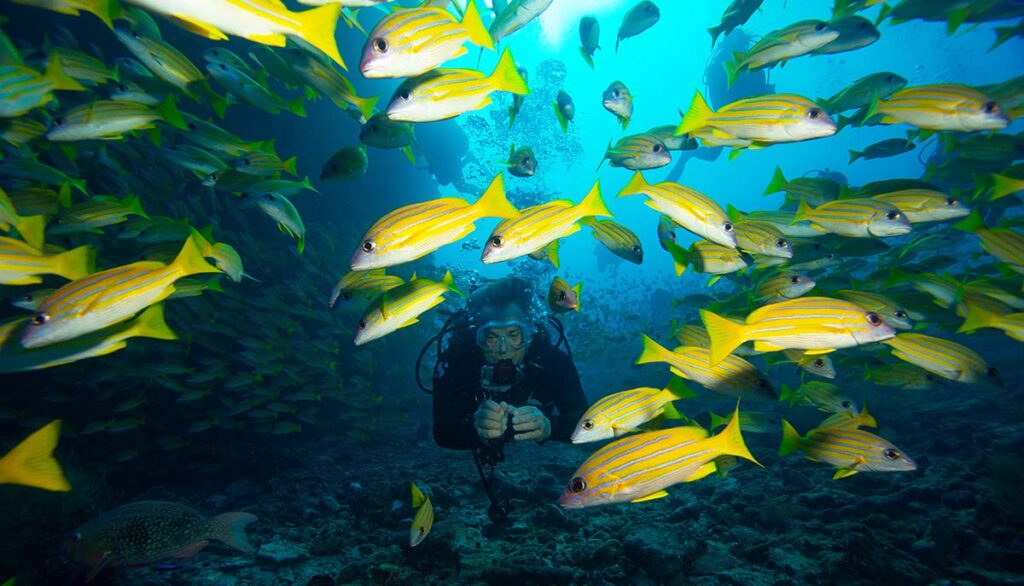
pixel 75 263
pixel 725 335
pixel 652 352
pixel 31 463
pixel 593 204
pixel 506 78
pixel 475 28
pixel 790 439
pixel 190 260
pixel 494 203
pixel 1003 186
pixel 151 324
pixel 59 79
pixel 317 28
pixel 731 440
pixel 637 184
pixel 697 116
pixel 578 289
pixel 449 281
pixel 31 229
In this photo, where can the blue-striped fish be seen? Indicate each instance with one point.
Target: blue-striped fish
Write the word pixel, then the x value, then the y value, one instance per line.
pixel 756 237
pixel 733 376
pixel 362 284
pixel 892 312
pixel 81 66
pixel 925 205
pixel 241 85
pixel 424 518
pixel 819 364
pixel 940 107
pixel 162 59
pixel 617 238
pixel 856 218
pixel 538 226
pixel 23 89
pixel 281 210
pixel 821 395
pixel 446 93
pixel 411 41
pixel 849 450
pixel 709 258
pixel 687 207
pixel 637 152
pixel 23 264
pixel 401 307
pixel 944 358
pixel 799 38
pixel 328 80
pixel 20 131
pixel 782 286
pixel 819 324
pixel 95 213
pixel 110 119
pixel 108 297
pixel 860 93
pixel 763 119
pixel 416 230
pixel 625 412
pixel 640 467
pixel 849 420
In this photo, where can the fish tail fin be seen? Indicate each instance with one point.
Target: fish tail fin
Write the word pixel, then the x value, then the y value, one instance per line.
pixel 418 498
pixel 972 223
pixel 562 120
pixel 778 182
pixel 76 263
pixel 714 32
pixel 677 386
pixel 61 80
pixel 133 205
pixel 296 106
pixel 731 439
pixel 578 290
pixel 672 413
pixel 1003 186
pixel 587 57
pixel 696 117
pixel 790 439
pixel 31 229
pixel 151 324
pixel 169 113
pixel 865 419
pixel 552 252
pixel 494 203
pixel 593 204
pixel 787 393
pixel 732 69
pixel 190 260
pixel 680 257
pixel 317 27
pixel 872 108
pixel 409 154
pixel 366 105
pixel 802 211
pixel 652 352
pixel 854 155
pixel 506 77
pixel 289 166
pixel 825 104
pixel 104 10
pixel 64 195
pixel 31 463
pixel 229 528
pixel 717 420
pixel 725 335
pixel 976 319
pixel 449 282
pixel 637 184
pixel 475 28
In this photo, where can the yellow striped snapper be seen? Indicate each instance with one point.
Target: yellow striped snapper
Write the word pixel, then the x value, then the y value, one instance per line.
pixel 820 324
pixel 848 420
pixel 23 89
pixel 902 375
pixel 925 205
pixel 1012 324
pixel 666 231
pixel 624 412
pixel 97 212
pixel 516 15
pixel 640 467
pixel 280 209
pixel 762 119
pixel 161 58
pixel 687 207
pixel 733 376
pixel 667 135
pixel 750 421
pixel 31 300
pixel 19 131
pixel 102 299
pixel 692 335
pixel 709 258
pixel 1005 244
pixel 424 518
pixel 412 41
pixel 209 135
pixel 849 450
pixel 781 219
pixel 225 257
pixel 538 226
pixel 267 22
pixel 861 92
pixel 263 164
pixel 816 190
pixel 326 78
pixel 82 66
pixel 943 357
pixel 892 312
pixel 401 307
pixel 637 152
pixel 101 9
pixel 416 230
pixel 940 107
pixel 14 358
pixel 446 93
pixel 819 364
pixel 782 286
pixel 109 119
pixel 361 284
pixel 239 84
pixel 29 227
pixel 821 395
pixel 856 218
pixel 23 264
pixel 778 46
pixel 761 238
pixel 31 463
pixel 619 101
pixel 563 297
pixel 617 238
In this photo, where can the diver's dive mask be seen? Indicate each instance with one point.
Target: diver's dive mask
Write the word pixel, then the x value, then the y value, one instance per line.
pixel 516 338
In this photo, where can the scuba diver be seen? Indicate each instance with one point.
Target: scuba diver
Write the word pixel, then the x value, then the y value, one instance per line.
pixel 502 379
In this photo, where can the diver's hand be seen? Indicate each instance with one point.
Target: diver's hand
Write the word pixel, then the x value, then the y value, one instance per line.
pixel 491 420
pixel 530 423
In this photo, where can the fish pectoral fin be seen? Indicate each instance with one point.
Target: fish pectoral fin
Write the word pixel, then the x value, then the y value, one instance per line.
pixel 843 473
pixel 762 346
pixel 269 39
pixel 200 28
pixel 818 351
pixel 651 497
pixel 412 321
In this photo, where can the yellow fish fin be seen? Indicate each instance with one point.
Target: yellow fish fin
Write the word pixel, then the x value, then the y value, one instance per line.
pixel 199 28
pixel 651 497
pixel 273 40
pixel 725 335
pixel 762 346
pixel 317 28
pixel 31 463
pixel 703 471
pixel 843 473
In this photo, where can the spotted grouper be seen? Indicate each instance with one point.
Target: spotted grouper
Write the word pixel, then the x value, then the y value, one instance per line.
pixel 138 534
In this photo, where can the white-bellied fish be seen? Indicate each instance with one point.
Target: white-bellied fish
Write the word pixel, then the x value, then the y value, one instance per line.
pixel 637 152
pixel 401 307
pixel 856 218
pixel 849 450
pixel 617 238
pixel 782 286
pixel 687 207
pixel 618 100
pixel 280 209
pixel 891 311
pixel 734 376
pixel 625 412
pixel 767 119
pixel 944 358
pixel 823 396
pixel 1005 244
pixel 424 518
pixel 23 89
pixel 642 16
pixel 516 15
pixel 940 107
pixel 109 119
pixel 362 284
pixel 778 46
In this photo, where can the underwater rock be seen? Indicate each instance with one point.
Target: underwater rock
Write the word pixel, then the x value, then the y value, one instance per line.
pixel 959 499
pixel 659 553
pixel 716 558
pixel 280 551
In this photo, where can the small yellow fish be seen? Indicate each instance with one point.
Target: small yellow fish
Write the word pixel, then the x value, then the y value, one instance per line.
pixel 31 463
pixel 424 518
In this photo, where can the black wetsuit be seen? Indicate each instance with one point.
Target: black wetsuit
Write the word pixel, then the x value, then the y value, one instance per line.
pixel 550 378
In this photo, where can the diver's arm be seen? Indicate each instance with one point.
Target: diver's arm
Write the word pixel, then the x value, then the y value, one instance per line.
pixel 454 404
pixel 569 396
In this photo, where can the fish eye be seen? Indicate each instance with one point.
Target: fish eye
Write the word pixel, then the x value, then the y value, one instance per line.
pixel 890 78
pixel 990 107
pixel 794 279
pixel 813 113
pixel 929 377
pixel 369 245
pixel 891 454
pixel 657 148
pixel 526 160
pixel 497 242
pixel 380 45
pixel 40 318
pixel 847 405
pixel 588 424
pixel 615 93
pixel 873 319
pixel 347 296
pixel 762 384
pixel 893 215
pixel 75 537
pixel 269 196
pixel 820 26
pixel 781 243
pixel 362 324
pixel 222 67
pixel 246 162
pixel 951 201
pixel 577 485
pixel 192 126
pixel 900 314
pixel 371 127
pixel 830 256
pixel 561 295
pixel 992 372
pixel 405 95
pixel 136 35
pixel 728 227
pixel 635 248
pixel 58 121
pixel 820 363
